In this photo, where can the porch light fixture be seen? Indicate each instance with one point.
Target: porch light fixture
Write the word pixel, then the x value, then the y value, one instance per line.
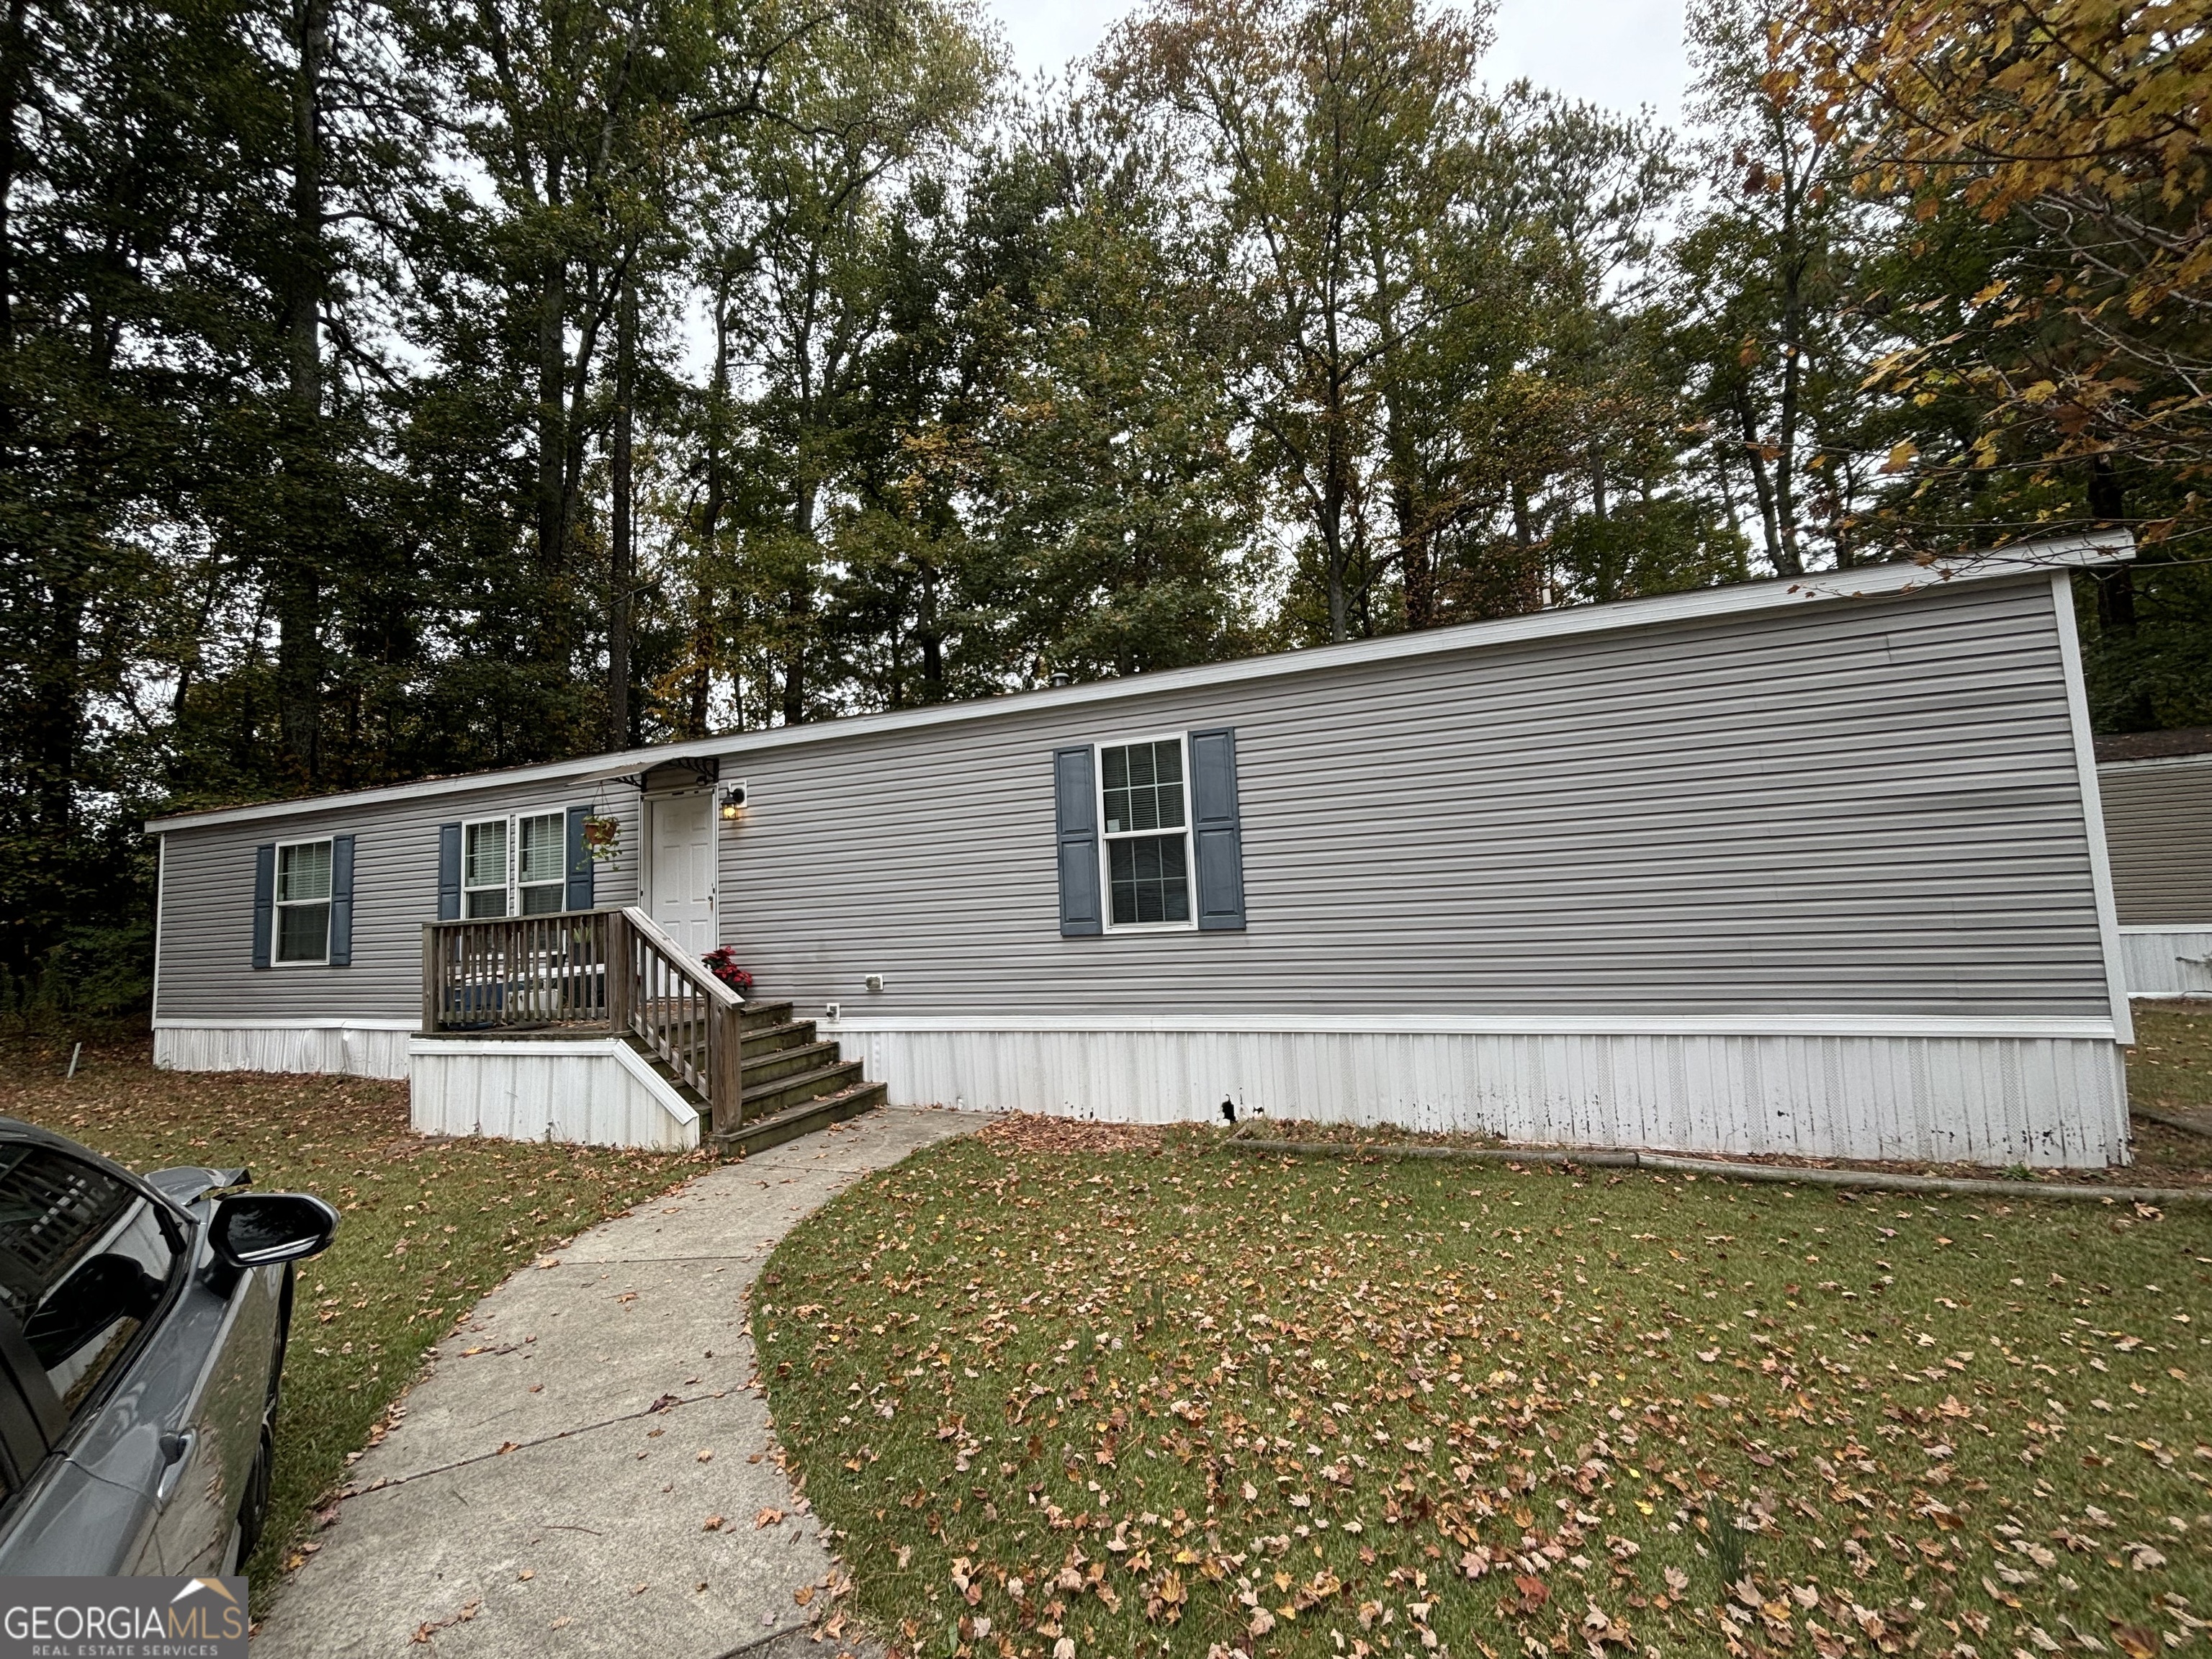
pixel 733 801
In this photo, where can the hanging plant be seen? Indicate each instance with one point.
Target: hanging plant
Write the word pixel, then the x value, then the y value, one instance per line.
pixel 601 836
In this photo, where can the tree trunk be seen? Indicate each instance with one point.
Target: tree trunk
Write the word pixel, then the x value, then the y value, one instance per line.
pixel 1415 567
pixel 799 614
pixel 1334 481
pixel 710 524
pixel 1762 484
pixel 299 596
pixel 552 415
pixel 12 68
pixel 1529 585
pixel 622 553
pixel 1607 583
pixel 931 637
pixel 2116 585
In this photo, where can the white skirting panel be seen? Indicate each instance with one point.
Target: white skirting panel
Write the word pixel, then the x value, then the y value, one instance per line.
pixel 2043 1101
pixel 352 1050
pixel 596 1093
pixel 2168 962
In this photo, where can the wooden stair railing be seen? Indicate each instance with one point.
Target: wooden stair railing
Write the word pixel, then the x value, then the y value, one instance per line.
pixel 668 1000
pixel 614 969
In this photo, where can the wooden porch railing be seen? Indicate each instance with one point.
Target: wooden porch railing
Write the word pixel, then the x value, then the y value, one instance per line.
pixel 615 970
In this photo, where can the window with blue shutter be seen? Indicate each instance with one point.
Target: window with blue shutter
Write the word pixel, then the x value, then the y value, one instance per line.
pixel 1151 837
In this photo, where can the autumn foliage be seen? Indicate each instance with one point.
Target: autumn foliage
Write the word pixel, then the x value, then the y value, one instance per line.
pixel 2085 121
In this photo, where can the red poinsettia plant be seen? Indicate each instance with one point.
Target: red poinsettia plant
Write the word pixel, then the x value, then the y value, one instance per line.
pixel 723 965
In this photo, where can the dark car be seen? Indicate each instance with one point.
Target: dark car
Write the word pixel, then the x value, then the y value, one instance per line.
pixel 142 1338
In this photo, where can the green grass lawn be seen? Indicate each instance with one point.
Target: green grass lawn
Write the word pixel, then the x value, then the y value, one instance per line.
pixel 1121 1401
pixel 2170 1067
pixel 430 1226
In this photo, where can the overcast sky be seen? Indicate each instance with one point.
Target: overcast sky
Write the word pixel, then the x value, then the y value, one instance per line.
pixel 1622 53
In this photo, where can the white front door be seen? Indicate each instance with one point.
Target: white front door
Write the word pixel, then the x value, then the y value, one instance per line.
pixel 679 881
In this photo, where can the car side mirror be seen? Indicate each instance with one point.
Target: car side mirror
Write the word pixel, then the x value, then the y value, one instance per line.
pixel 254 1230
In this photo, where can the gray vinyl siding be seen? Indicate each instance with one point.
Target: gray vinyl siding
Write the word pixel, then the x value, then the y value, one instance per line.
pixel 2158 824
pixel 1847 807
pixel 1862 806
pixel 207 912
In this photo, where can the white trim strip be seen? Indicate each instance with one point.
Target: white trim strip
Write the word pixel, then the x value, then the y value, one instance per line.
pixel 1808 1025
pixel 183 1023
pixel 2030 558
pixel 2174 927
pixel 2092 807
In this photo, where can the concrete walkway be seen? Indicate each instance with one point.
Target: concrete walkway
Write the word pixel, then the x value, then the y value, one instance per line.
pixel 549 1487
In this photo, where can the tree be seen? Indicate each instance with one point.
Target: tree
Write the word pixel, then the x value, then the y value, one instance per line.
pixel 1765 278
pixel 2052 307
pixel 1317 135
pixel 794 228
pixel 1126 519
pixel 2088 126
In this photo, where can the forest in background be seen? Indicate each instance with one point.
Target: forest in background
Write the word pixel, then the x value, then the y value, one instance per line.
pixel 391 389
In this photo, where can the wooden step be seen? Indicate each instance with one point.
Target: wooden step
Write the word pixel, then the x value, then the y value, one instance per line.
pixel 769 1038
pixel 787 1091
pixel 761 1133
pixel 757 1016
pixel 787 1062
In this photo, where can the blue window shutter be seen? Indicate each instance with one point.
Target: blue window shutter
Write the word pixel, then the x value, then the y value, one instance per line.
pixel 1077 809
pixel 264 900
pixel 449 871
pixel 341 902
pixel 581 864
pixel 1217 831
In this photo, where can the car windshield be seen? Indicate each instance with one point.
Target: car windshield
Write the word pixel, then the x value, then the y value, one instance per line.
pixel 83 1261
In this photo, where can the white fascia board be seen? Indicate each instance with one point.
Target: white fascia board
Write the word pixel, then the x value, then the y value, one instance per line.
pixel 2014 1026
pixel 1876 581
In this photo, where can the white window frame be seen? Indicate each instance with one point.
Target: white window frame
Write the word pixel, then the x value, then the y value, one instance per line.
pixel 278 904
pixel 1182 740
pixel 515 885
pixel 505 888
pixel 510 884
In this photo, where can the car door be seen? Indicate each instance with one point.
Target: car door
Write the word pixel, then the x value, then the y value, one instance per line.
pixel 207 1373
pixel 89 1265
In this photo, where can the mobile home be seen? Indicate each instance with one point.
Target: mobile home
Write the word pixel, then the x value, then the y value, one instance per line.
pixel 2157 791
pixel 1812 866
